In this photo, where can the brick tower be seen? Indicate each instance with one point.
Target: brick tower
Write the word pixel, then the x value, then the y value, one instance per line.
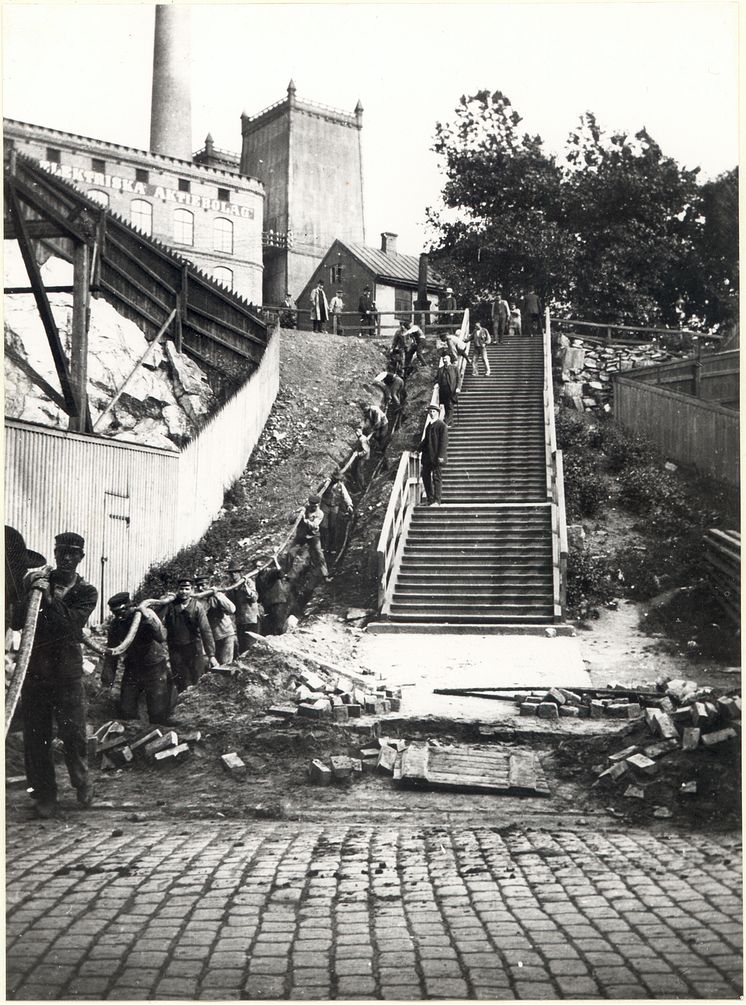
pixel 309 158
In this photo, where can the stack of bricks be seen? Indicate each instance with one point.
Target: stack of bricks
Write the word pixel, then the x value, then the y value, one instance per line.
pixel 110 746
pixel 688 719
pixel 559 702
pixel 379 756
pixel 338 700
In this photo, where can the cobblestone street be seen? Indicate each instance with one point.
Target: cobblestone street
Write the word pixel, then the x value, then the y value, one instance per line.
pixel 278 910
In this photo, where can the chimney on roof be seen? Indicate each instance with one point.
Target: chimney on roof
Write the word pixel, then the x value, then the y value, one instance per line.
pixel 171 102
pixel 388 242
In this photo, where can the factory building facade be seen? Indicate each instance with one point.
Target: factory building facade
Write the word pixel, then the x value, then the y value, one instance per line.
pixel 210 215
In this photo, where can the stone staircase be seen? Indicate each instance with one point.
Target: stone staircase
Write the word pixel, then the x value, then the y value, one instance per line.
pixel 485 555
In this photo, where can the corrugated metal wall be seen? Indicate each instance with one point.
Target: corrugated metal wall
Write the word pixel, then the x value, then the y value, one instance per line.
pixel 683 428
pixel 134 505
pixel 120 496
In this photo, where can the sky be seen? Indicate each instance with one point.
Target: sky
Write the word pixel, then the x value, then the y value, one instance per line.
pixel 671 67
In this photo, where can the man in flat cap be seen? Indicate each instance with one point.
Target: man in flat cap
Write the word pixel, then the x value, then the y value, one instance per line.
pixel 186 622
pixel 336 497
pixel 433 449
pixel 145 663
pixel 53 688
pixel 243 593
pixel 219 610
pixel 367 308
pixel 308 535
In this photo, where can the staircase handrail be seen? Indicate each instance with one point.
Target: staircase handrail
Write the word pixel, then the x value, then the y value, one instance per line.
pixel 555 482
pixel 402 501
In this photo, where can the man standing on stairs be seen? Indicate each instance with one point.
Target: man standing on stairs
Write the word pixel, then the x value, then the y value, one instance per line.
pixel 500 317
pixel 447 384
pixel 433 450
pixel 480 337
pixel 532 310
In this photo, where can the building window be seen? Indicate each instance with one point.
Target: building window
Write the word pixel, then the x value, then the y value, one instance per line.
pixel 224 276
pixel 335 275
pixel 98 165
pixel 102 198
pixel 54 155
pixel 183 226
pixel 184 185
pixel 141 215
pixel 222 235
pixel 142 175
pixel 224 194
pixel 402 302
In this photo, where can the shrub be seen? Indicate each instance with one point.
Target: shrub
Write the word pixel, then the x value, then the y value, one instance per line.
pixel 574 431
pixel 585 487
pixel 235 494
pixel 623 449
pixel 646 488
pixel 589 579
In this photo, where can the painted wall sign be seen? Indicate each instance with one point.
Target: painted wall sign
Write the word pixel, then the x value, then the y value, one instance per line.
pixel 127 185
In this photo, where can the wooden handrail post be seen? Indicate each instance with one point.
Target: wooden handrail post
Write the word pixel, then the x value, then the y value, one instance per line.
pixel 80 423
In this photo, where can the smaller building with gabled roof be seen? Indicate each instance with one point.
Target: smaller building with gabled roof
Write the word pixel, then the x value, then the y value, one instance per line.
pixel 392 278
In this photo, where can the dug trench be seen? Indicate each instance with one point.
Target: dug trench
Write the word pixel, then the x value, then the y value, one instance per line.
pixel 272 779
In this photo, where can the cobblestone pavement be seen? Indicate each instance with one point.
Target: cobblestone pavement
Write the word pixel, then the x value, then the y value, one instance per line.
pixel 277 910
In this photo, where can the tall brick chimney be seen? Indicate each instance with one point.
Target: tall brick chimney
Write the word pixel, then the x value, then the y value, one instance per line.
pixel 171 103
pixel 388 242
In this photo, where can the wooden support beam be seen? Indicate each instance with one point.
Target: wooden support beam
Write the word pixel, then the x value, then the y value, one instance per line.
pixel 137 366
pixel 42 301
pixel 36 229
pixel 16 290
pixel 81 423
pixel 34 377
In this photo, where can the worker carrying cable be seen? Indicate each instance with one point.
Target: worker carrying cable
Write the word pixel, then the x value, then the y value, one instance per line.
pixel 145 659
pixel 53 686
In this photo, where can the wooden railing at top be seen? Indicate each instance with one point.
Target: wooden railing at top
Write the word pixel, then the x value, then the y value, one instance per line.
pixel 555 483
pixel 609 328
pixel 404 497
pixel 413 314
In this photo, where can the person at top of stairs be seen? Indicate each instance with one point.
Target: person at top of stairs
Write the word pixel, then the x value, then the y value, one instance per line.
pixel 434 453
pixel 480 339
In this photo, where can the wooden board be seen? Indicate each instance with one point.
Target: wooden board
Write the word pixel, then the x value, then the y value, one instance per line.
pixel 466 769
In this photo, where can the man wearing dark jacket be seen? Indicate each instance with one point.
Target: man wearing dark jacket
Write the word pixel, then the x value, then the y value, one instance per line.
pixel 53 688
pixel 273 590
pixel 185 620
pixel 434 452
pixel 145 666
pixel 448 377
pixel 367 308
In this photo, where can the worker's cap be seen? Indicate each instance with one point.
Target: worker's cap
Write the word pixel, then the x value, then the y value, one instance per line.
pixel 69 540
pixel 449 290
pixel 236 565
pixel 200 577
pixel 119 600
pixel 185 580
pixel 314 500
pixel 366 287
pixel 433 408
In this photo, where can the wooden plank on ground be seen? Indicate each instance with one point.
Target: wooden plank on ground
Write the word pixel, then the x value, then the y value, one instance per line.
pixel 466 769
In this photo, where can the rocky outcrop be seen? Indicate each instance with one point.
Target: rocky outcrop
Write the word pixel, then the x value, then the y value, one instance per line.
pixel 586 369
pixel 164 404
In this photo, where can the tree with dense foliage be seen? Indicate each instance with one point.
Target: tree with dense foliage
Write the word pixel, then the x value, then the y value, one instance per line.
pixel 614 230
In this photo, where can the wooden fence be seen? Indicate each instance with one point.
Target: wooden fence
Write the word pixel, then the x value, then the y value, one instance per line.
pixel 683 428
pixel 713 377
pixel 349 322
